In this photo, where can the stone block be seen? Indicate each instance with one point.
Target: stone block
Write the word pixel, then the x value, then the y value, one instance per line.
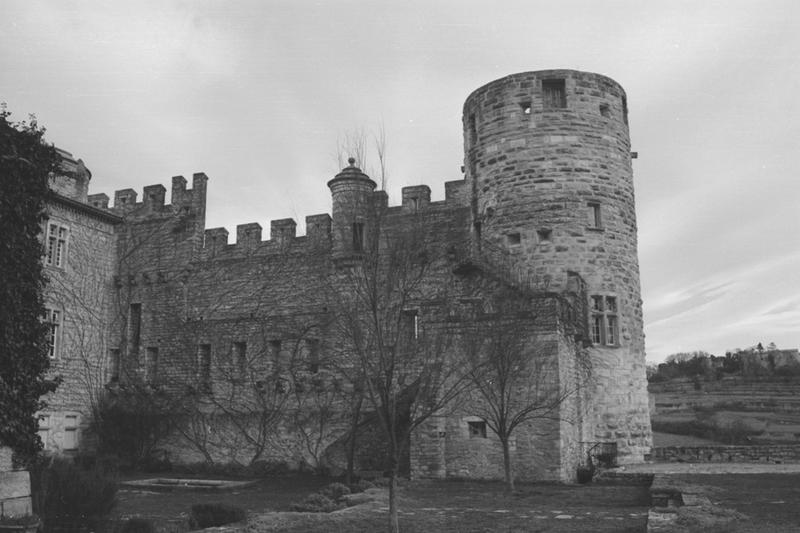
pixel 14 484
pixel 5 458
pixel 16 506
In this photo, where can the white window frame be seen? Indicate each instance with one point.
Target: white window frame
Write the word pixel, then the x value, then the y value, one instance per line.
pixel 55 320
pixel 56 245
pixel 604 325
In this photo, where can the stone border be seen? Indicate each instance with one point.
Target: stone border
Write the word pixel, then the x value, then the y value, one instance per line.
pixel 186 484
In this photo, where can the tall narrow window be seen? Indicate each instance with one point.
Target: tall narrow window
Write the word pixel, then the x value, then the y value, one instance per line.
pixel 151 365
pixel 135 327
pixel 204 367
pixel 624 109
pixel 312 347
pixel 240 359
pixel 113 364
pixel 604 321
pixel 56 245
pixel 473 131
pixel 595 215
pixel 275 352
pixel 554 94
pixel 53 319
pixel 358 236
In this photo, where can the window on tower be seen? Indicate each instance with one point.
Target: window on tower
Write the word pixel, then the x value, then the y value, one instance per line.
pixel 358 236
pixel 604 326
pixel 554 94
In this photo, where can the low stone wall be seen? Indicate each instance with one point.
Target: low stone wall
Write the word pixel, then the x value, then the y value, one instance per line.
pixel 724 454
pixel 15 487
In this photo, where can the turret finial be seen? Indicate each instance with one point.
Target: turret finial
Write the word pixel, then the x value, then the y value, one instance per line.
pixel 352 161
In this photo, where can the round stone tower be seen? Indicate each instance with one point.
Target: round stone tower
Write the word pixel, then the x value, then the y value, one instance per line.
pixel 351 195
pixel 548 163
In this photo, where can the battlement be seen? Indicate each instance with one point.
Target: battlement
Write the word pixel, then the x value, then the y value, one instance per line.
pixel 283 232
pixel 154 197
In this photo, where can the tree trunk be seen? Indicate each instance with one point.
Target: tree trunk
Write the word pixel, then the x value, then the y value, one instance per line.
pixel 351 443
pixel 394 523
pixel 507 465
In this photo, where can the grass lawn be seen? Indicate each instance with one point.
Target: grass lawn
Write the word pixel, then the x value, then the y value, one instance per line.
pixel 440 506
pixel 770 501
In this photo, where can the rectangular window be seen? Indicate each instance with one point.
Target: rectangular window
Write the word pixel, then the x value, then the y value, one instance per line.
pixel 56 245
pixel 358 236
pixel 597 329
pixel 135 327
pixel 409 324
pixel 204 367
pixel 595 215
pixel 53 319
pixel 477 430
pixel 312 347
pixel 151 365
pixel 604 322
pixel 70 441
pixel 113 364
pixel 240 359
pixel 275 351
pixel 554 94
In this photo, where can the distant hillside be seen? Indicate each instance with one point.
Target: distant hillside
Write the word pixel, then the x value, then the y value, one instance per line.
pixel 732 409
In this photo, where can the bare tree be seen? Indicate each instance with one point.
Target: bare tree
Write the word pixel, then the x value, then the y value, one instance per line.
pixel 393 338
pixel 515 373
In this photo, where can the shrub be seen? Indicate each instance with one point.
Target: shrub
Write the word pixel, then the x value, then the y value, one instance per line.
pixel 67 494
pixel 315 503
pixel 334 491
pixel 264 468
pixel 214 514
pixel 361 486
pixel 138 525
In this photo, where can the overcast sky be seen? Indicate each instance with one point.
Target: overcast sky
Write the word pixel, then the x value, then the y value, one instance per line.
pixel 256 94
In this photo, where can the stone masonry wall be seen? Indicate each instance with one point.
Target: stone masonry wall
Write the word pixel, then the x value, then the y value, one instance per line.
pixel 789 453
pixel 15 487
pixel 80 289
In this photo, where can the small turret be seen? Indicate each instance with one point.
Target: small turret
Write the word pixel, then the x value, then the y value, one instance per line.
pixel 351 191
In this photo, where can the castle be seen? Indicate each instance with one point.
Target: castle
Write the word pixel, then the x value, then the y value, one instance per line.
pixel 142 291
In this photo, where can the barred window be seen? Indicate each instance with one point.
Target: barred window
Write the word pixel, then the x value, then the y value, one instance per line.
pixel 56 245
pixel 554 94
pixel 604 322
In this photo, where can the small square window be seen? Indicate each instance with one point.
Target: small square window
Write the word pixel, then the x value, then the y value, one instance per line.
pixel 477 430
pixel 544 234
pixel 526 108
pixel 605 110
pixel 514 239
pixel 554 94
